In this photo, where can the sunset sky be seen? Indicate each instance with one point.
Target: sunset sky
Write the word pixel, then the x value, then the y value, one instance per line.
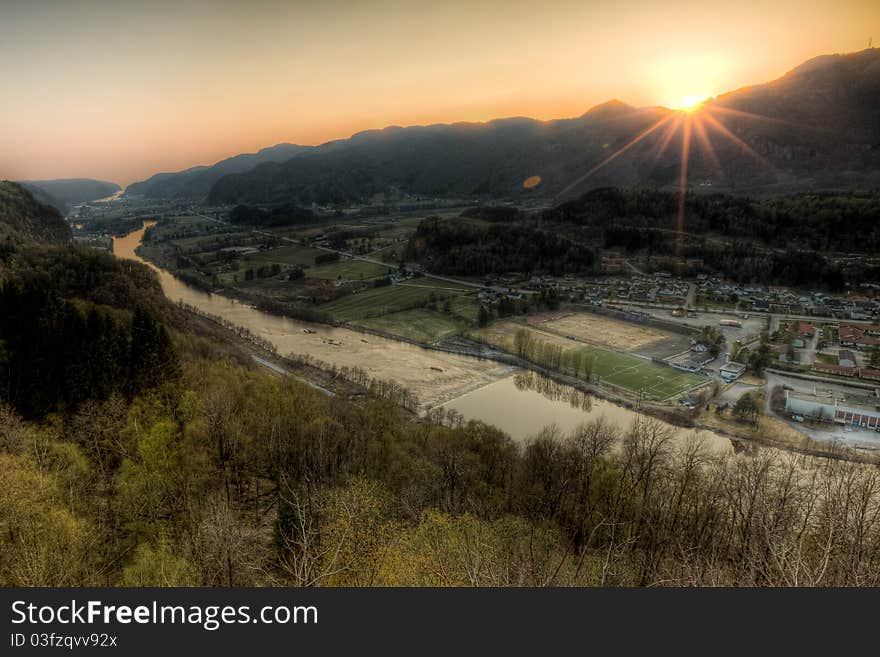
pixel 121 90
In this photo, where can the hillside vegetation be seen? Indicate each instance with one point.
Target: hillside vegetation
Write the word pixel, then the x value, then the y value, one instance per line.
pixel 139 447
pixel 22 218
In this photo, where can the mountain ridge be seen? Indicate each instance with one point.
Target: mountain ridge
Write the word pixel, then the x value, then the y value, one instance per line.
pixel 813 128
pixel 64 193
pixel 195 182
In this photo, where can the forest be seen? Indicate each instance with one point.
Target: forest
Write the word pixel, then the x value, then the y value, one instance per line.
pixel 817 221
pixel 779 241
pixel 459 247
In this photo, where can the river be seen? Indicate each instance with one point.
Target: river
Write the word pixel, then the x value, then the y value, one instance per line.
pixel 515 401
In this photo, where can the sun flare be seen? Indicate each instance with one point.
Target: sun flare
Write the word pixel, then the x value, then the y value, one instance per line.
pixel 690 103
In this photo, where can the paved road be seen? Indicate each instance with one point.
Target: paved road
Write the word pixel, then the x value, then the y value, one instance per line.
pixel 691 297
pixel 283 372
pixel 734 391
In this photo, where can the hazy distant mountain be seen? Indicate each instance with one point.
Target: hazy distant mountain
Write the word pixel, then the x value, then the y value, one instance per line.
pixel 23 218
pixel 195 183
pixel 816 127
pixel 66 193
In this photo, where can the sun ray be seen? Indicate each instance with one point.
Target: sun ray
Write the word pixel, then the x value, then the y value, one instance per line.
pixel 632 142
pixel 724 130
pixel 706 144
pixel 668 134
pixel 682 183
pixel 766 119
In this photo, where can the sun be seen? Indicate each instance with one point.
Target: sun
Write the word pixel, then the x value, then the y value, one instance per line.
pixel 691 103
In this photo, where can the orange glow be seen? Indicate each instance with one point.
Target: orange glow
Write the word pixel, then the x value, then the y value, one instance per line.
pixel 123 90
pixel 691 103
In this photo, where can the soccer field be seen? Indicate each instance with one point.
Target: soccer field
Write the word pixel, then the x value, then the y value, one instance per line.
pixel 634 374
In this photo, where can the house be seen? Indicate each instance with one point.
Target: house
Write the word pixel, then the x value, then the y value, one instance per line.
pixel 846 358
pixel 732 371
pixel 802 329
pixel 860 336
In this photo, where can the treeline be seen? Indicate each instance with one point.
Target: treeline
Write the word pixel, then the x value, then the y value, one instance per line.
pixel 281 215
pixel 240 478
pixel 461 248
pixel 576 362
pixel 56 353
pixel 818 221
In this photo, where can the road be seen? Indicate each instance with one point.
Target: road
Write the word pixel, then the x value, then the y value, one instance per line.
pixel 283 372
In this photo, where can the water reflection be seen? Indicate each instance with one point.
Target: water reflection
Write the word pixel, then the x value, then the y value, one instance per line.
pixel 553 390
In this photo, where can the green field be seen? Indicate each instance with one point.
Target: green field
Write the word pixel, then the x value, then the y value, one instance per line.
pixel 417 324
pixel 465 306
pixel 304 256
pixel 634 374
pixel 286 255
pixel 352 270
pixel 380 301
pixel 616 368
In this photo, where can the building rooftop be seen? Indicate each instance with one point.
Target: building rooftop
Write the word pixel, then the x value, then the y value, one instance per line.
pixel 866 401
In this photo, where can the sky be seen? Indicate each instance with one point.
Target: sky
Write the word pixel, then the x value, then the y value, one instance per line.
pixel 119 90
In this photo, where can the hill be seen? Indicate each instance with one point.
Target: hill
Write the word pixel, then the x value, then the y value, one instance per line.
pixel 23 218
pixel 66 193
pixel 815 128
pixel 195 183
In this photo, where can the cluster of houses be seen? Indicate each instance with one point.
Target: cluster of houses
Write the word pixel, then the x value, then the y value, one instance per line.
pixel 846 358
pixel 660 287
pixel 859 336
pixel 783 300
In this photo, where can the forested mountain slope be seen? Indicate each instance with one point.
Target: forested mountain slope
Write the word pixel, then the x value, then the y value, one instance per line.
pixel 23 218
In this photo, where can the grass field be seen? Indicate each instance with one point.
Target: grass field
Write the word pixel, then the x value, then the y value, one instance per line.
pixel 624 370
pixel 604 331
pixel 465 306
pixel 379 301
pixel 353 270
pixel 304 256
pixel 286 255
pixel 634 374
pixel 417 324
